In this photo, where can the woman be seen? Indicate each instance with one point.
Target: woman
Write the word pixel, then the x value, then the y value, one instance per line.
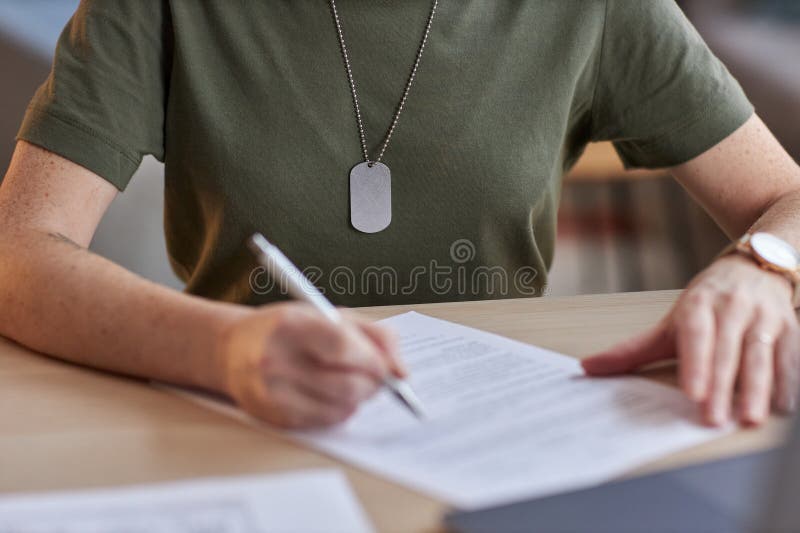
pixel 269 118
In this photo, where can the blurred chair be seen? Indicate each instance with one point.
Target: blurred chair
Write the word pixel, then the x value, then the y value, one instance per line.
pixel 627 230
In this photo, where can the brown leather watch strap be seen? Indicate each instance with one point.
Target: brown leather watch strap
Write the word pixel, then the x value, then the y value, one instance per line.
pixel 794 280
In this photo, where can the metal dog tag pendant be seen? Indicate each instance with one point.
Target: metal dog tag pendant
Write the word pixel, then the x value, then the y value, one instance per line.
pixel 370 197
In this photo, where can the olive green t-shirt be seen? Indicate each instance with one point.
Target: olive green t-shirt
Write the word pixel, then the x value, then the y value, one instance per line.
pixel 248 105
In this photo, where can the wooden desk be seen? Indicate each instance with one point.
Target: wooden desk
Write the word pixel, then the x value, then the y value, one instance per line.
pixel 64 427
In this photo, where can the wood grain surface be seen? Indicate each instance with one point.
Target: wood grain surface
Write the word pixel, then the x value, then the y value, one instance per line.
pixel 67 427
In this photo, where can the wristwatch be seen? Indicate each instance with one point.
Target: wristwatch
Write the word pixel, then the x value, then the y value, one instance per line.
pixel 771 253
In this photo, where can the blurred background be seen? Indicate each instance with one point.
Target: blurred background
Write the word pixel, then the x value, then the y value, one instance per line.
pixel 618 230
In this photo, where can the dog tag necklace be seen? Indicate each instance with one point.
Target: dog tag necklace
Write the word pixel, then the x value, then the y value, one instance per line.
pixel 371 181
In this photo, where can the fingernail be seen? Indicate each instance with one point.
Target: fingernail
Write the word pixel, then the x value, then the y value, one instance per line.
pixel 718 415
pixel 754 413
pixel 401 370
pixel 695 389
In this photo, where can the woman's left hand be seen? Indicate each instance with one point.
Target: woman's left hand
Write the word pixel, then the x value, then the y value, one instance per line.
pixel 734 324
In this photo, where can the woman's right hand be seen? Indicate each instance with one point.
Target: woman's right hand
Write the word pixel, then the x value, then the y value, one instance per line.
pixel 288 365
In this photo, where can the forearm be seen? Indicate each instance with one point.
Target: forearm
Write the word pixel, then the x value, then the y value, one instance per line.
pixel 747 181
pixel 58 298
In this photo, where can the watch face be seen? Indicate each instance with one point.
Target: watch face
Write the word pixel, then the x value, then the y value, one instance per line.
pixel 775 251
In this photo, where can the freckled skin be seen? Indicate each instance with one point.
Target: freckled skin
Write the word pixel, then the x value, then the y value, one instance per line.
pixel 748 182
pixel 58 298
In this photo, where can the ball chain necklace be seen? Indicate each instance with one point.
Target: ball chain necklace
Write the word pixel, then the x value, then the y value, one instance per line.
pixel 371 180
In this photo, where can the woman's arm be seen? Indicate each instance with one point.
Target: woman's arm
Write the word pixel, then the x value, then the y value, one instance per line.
pixel 734 323
pixel 748 181
pixel 58 298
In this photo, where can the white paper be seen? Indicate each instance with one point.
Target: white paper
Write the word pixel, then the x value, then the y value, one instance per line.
pixel 296 502
pixel 506 420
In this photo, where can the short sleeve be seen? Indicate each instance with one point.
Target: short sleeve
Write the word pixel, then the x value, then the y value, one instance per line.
pixel 103 104
pixel 662 96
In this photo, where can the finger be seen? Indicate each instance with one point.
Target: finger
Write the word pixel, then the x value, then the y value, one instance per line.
pixel 787 370
pixel 335 345
pixel 627 356
pixel 731 321
pixel 757 371
pixel 387 342
pixel 355 351
pixel 694 341
pixel 340 387
pixel 294 408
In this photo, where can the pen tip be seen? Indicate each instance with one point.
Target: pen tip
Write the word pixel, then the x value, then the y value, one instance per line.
pixel 419 414
pixel 410 400
pixel 403 392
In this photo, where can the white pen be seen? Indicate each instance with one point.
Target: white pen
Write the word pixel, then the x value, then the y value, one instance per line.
pixel 298 286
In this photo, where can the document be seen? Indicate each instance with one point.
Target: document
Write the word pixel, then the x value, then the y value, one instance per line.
pixel 506 420
pixel 307 501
